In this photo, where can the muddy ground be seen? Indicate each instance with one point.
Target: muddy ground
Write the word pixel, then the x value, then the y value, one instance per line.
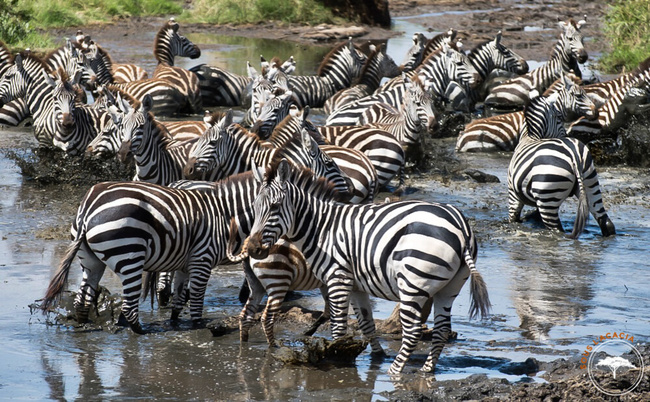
pixel 566 381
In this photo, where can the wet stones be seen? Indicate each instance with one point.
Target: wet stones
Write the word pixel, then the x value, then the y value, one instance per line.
pixel 317 350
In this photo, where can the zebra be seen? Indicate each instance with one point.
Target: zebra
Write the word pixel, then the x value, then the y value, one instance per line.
pixel 436 72
pixel 415 54
pixel 135 227
pixel 501 132
pixel 272 110
pixel 77 124
pixel 168 44
pixel 337 71
pixel 486 58
pixel 168 100
pixel 567 53
pixel 382 148
pixel 627 101
pixel 412 119
pixel 14 112
pixel 406 251
pixel 378 65
pixel 358 168
pixel 234 149
pixel 119 72
pixel 547 167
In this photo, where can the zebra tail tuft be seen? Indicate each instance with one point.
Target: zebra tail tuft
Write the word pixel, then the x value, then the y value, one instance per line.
pixel 60 278
pixel 480 300
pixel 583 205
pixel 231 243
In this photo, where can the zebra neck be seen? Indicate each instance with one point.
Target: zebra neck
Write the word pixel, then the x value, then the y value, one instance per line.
pixel 543 76
pixel 481 61
pixel 371 77
pixel 154 157
pixel 163 52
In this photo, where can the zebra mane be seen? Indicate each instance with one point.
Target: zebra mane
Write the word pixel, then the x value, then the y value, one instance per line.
pixel 304 179
pixel 61 74
pixel 329 59
pixel 161 131
pixel 32 58
pixel 281 127
pixel 135 103
pixel 558 84
pixel 435 43
pixel 162 33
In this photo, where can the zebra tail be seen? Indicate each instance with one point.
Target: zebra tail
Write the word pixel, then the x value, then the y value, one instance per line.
pixel 149 281
pixel 60 278
pixel 583 205
pixel 480 300
pixel 231 243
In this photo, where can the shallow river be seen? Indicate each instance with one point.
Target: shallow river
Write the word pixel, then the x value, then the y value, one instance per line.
pixel 551 296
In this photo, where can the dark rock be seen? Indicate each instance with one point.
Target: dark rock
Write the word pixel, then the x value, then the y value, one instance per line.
pixel 316 350
pixel 371 12
pixel 481 177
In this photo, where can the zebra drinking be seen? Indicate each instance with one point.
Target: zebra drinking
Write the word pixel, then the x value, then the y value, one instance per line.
pixel 408 251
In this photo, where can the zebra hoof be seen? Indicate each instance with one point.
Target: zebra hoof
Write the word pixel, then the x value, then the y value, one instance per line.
pixel 137 328
pixel 198 323
pixel 378 355
pixel 175 314
pixel 606 226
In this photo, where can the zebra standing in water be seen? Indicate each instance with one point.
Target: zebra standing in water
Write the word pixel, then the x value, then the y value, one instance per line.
pixel 547 167
pixel 436 72
pixel 378 65
pixel 567 53
pixel 408 251
pixel 14 112
pixel 167 45
pixel 120 72
pixel 337 71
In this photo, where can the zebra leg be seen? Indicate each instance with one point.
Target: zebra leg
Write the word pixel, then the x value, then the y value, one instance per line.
pixel 199 276
pixel 323 317
pixel 276 294
pixel 514 207
pixel 442 303
pixel 180 294
pixel 131 277
pixel 550 214
pixel 93 270
pixel 164 288
pixel 411 319
pixel 363 310
pixel 339 286
pixel 254 297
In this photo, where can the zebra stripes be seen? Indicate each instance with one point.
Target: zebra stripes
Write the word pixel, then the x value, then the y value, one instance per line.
pixel 408 251
pixel 167 45
pixel 547 167
pixel 567 53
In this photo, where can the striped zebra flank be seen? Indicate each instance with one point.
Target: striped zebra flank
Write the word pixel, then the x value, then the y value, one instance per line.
pixel 406 251
pixel 167 45
pixel 358 168
pixel 490 134
pixel 547 167
pixel 568 52
pixel 382 148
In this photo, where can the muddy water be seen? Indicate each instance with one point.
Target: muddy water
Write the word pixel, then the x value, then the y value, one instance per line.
pixel 551 296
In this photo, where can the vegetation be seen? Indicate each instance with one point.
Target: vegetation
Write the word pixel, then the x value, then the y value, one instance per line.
pixel 254 11
pixel 627 28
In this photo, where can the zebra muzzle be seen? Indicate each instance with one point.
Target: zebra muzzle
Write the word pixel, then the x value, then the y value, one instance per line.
pixel 256 248
pixel 124 151
pixel 190 171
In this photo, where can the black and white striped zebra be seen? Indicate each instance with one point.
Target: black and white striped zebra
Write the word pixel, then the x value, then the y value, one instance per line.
pixel 14 112
pixel 77 124
pixel 568 52
pixel 134 227
pixel 435 73
pixel 381 147
pixel 167 45
pixel 340 67
pixel 547 167
pixel 358 168
pixel 168 100
pixel 234 149
pixel 119 72
pixel 408 251
pixel 377 66
pixel 501 132
pixel 415 54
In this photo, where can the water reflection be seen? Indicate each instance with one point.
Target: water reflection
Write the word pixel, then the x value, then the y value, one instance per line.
pixel 553 283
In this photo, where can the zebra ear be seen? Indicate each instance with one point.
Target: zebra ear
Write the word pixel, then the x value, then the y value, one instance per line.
pixel 581 22
pixel 77 77
pixel 497 39
pixel 147 103
pixel 18 61
pixel 561 23
pixel 373 48
pixel 552 98
pixel 258 172
pixel 305 112
pixel 283 171
pixel 310 145
pixel 49 80
pixel 115 114
pixel 252 73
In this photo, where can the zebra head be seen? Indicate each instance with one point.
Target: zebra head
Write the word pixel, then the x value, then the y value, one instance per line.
pixel 169 43
pixel 418 103
pixel 573 101
pixel 271 112
pixel 206 153
pixel 63 97
pixel 495 55
pixel 571 40
pixel 344 63
pixel 108 141
pixel 132 126
pixel 99 62
pixel 382 62
pixel 272 208
pixel 637 98
pixel 414 54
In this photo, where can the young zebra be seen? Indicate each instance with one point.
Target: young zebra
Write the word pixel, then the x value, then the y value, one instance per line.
pixel 567 53
pixel 436 72
pixel 167 45
pixel 119 72
pixel 546 167
pixel 378 66
pixel 408 251
pixel 338 69
pixel 382 148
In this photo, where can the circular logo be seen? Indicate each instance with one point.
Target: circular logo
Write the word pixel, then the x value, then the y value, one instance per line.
pixel 615 367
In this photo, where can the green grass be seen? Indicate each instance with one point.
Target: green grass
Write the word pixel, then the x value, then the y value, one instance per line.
pixel 254 11
pixel 627 28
